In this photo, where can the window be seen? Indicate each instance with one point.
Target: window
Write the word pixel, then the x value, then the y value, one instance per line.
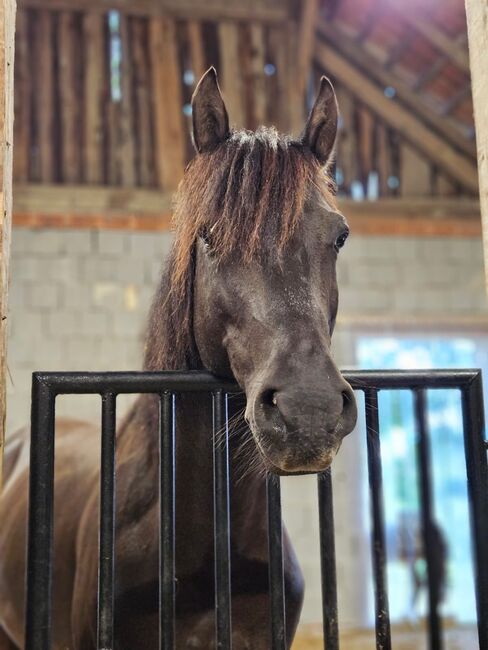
pixel 406 566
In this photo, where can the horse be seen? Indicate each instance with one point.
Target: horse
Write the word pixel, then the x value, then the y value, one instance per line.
pixel 249 293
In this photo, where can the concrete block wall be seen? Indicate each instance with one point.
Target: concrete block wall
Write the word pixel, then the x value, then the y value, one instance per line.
pixel 79 299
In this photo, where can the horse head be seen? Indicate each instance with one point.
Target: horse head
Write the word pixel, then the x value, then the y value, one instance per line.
pixel 258 225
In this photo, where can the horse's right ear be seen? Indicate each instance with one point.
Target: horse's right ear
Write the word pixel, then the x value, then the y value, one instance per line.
pixel 210 119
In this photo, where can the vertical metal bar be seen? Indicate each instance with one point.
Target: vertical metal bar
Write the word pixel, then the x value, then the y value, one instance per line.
pixel 477 471
pixel 328 561
pixel 276 574
pixel 105 631
pixel 40 539
pixel 167 476
pixel 223 626
pixel 382 622
pixel 427 512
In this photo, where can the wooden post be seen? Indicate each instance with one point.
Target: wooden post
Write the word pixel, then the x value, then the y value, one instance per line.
pixel 477 19
pixel 7 31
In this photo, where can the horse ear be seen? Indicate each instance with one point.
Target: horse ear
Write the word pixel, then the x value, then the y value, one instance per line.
pixel 210 120
pixel 321 128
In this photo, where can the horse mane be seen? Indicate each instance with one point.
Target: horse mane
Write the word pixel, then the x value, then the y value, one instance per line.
pixel 247 195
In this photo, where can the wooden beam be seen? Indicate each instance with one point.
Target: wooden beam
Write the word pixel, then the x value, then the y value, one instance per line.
pixel 458 98
pixel 85 199
pixel 7 31
pixel 268 11
pixel 477 19
pixel 372 68
pixel 132 222
pixel 82 206
pixel 413 217
pixel 453 163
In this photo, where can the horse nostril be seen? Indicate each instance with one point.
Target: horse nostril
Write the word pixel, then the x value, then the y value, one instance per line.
pixel 346 399
pixel 268 398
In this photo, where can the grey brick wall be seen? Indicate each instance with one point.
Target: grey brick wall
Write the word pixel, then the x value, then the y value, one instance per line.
pixel 78 301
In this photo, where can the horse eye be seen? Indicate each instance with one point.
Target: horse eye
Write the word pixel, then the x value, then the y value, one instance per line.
pixel 341 240
pixel 206 237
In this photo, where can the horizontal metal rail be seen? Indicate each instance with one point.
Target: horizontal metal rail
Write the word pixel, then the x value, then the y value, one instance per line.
pixel 47 385
pixel 72 383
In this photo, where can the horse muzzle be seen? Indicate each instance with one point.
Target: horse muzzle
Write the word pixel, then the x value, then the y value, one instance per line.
pixel 298 431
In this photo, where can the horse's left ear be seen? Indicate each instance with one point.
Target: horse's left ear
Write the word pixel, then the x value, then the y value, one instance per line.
pixel 210 119
pixel 321 128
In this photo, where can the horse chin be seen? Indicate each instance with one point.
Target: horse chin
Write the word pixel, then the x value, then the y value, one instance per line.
pixel 291 464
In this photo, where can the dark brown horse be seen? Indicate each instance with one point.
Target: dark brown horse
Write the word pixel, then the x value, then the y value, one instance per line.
pixel 249 293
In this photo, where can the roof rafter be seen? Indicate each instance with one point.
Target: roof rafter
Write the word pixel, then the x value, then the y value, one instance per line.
pixel 441 41
pixel 456 165
pixel 373 69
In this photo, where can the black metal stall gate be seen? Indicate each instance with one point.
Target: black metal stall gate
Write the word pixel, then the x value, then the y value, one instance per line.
pixel 46 386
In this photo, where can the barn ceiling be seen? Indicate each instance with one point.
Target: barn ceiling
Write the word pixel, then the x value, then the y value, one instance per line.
pixel 417 48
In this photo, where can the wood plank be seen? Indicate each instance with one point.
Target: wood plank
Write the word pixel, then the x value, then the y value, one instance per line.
pixel 197 50
pixel 125 144
pixel 413 217
pixel 276 90
pixel 44 94
pixel 415 173
pixel 85 199
pixel 69 97
pixel 257 67
pixel 82 206
pixel 294 96
pixel 231 74
pixel 246 76
pixel 142 102
pixel 266 11
pixel 7 31
pixel 383 158
pixel 399 118
pixel 347 158
pixel 22 123
pixel 372 69
pixel 306 41
pixel 167 102
pixel 365 142
pixel 477 19
pixel 160 222
pixel 93 93
pixel 111 138
pixel 444 185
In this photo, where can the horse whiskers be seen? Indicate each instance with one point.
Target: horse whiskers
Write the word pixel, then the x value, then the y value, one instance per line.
pixel 230 428
pixel 247 460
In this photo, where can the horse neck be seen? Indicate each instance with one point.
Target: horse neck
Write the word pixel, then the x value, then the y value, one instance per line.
pixel 140 433
pixel 139 480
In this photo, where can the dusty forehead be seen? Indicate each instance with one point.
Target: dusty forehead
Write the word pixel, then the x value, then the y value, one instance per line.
pixel 323 203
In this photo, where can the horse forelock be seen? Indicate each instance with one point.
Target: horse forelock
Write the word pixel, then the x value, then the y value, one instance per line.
pixel 247 195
